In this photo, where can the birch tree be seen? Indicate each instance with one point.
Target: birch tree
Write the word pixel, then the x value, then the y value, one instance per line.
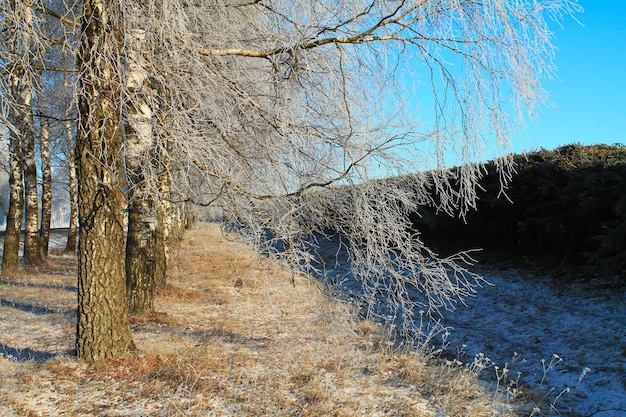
pixel 10 256
pixel 103 329
pixel 286 116
pixel 32 248
pixel 72 232
pixel 46 186
pixel 139 152
pixel 22 47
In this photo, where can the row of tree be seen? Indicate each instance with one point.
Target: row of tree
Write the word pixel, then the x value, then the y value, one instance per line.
pixel 40 57
pixel 276 113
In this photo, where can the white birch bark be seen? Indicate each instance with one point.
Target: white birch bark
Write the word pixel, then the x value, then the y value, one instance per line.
pixel 24 48
pixel 72 234
pixel 139 154
pixel 32 251
pixel 46 186
pixel 10 259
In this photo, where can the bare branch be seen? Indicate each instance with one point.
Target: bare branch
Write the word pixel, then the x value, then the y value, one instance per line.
pixel 75 23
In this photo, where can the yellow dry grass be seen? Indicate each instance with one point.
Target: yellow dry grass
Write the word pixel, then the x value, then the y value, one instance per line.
pixel 232 335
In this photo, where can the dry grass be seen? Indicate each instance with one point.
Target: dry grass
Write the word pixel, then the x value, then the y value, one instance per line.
pixel 233 335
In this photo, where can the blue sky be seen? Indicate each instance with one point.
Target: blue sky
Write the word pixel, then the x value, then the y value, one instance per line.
pixel 589 98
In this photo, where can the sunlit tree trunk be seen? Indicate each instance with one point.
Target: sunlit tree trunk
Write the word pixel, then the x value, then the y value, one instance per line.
pixel 22 120
pixel 142 214
pixel 160 249
pixel 72 233
pixel 10 259
pixel 140 255
pixel 176 226
pixel 103 329
pixel 162 242
pixel 46 188
pixel 23 88
pixel 190 216
pixel 19 94
pixel 32 251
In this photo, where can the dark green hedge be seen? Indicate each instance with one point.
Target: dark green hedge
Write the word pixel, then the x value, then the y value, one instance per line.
pixel 568 210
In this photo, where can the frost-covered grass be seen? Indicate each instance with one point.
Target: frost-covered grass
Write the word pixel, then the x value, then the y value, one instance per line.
pixel 232 335
pixel 564 345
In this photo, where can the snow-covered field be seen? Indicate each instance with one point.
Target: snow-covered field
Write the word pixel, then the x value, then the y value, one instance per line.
pixel 576 335
pixel 568 343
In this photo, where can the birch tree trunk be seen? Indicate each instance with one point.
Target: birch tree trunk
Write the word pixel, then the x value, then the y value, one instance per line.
pixel 103 329
pixel 142 214
pixel 160 248
pixel 162 242
pixel 22 120
pixel 32 251
pixel 190 216
pixel 140 255
pixel 10 258
pixel 72 232
pixel 176 223
pixel 46 188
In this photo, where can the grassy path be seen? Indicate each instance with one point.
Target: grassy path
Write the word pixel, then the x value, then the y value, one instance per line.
pixel 232 335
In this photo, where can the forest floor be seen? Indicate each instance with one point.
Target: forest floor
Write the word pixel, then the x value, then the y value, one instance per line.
pixel 233 334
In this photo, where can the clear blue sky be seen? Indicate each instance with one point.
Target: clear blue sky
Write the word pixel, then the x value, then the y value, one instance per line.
pixel 589 98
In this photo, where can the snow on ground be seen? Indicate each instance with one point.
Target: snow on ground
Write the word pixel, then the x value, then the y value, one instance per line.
pixel 577 336
pixel 568 342
pixel 58 239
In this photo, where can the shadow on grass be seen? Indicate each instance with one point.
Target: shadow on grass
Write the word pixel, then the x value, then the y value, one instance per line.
pixel 35 309
pixel 25 355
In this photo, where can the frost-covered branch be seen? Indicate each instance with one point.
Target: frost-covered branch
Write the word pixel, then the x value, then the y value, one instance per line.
pixel 286 116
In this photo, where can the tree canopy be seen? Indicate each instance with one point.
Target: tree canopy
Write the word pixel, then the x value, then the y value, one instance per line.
pixel 284 116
